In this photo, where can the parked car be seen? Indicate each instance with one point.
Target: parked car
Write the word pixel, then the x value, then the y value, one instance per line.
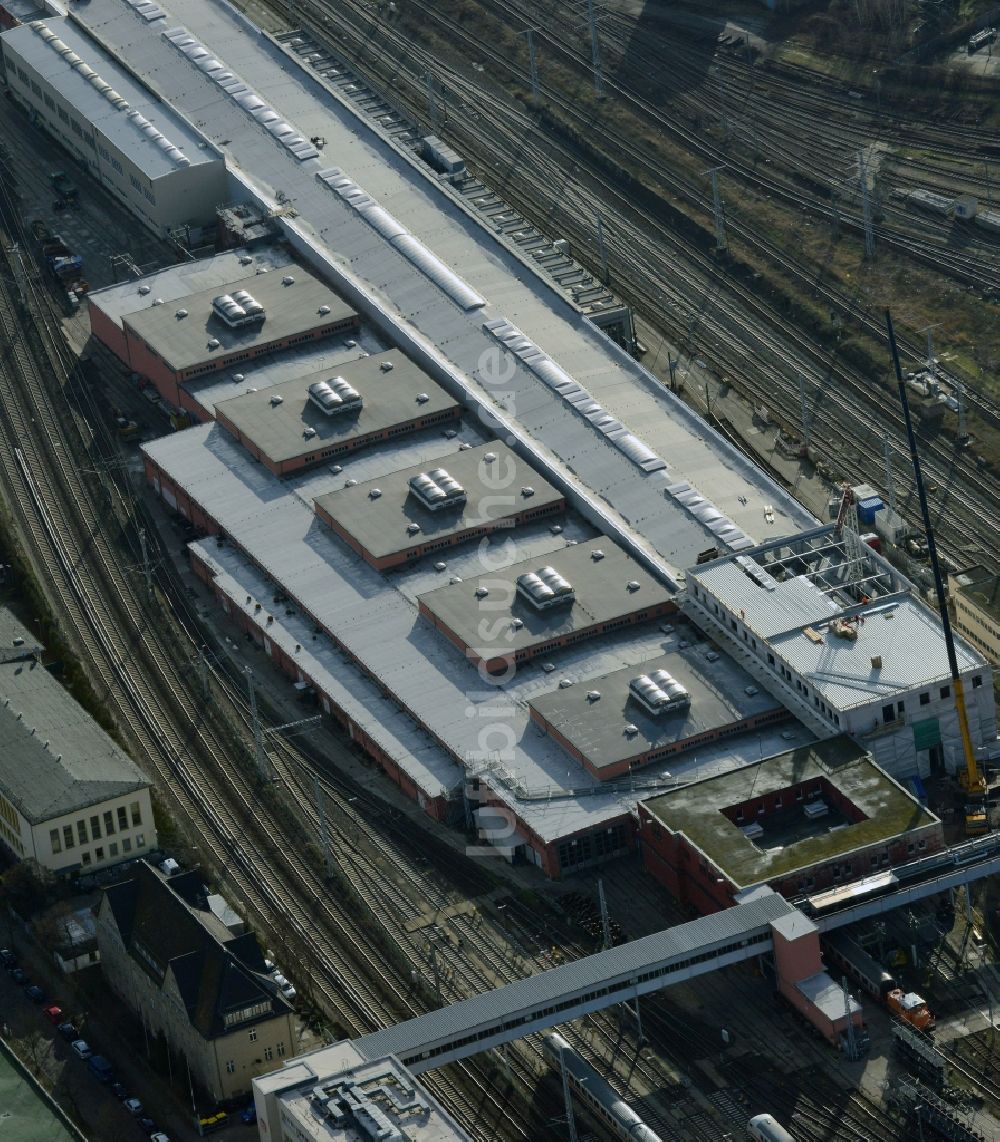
pixel 7 958
pixel 68 1031
pixel 119 1090
pixel 81 1048
pixel 133 1106
pixel 19 976
pixel 100 1068
pixel 147 1126
pixel 249 1114
pixel 53 1013
pixel 288 990
pixel 279 979
pixel 35 993
pixel 158 1137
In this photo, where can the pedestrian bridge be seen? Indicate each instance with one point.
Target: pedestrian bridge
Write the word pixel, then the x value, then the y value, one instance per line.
pixel 622 974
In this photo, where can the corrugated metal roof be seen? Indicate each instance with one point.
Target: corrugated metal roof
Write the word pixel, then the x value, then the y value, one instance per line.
pixel 542 990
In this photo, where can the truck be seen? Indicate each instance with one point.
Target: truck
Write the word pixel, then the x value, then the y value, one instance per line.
pixel 63 187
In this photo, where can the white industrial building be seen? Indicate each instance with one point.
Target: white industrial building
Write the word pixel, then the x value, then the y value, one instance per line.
pixel 70 799
pixel 138 147
pixel 846 642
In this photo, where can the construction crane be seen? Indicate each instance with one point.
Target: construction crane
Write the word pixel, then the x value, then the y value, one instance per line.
pixel 971 779
pixel 845 507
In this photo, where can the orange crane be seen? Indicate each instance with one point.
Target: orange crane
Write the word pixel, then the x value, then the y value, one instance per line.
pixel 971 779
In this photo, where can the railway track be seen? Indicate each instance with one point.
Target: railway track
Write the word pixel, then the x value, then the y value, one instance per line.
pixel 67 532
pixel 753 348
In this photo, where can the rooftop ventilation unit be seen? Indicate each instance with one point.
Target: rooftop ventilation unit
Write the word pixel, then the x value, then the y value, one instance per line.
pixel 437 489
pixel 214 343
pixel 334 396
pixel 545 588
pixel 659 693
pixel 237 309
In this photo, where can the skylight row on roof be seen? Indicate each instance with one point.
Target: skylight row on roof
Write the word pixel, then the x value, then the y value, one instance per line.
pixel 415 252
pixel 703 510
pixel 574 394
pixel 241 93
pixel 70 57
pixel 146 9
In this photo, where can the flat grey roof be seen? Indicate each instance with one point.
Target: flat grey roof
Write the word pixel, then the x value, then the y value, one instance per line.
pixel 55 758
pixel 788 591
pixel 494 490
pixel 327 356
pixel 823 993
pixel 118 124
pixel 708 489
pixel 186 278
pixel 544 989
pixel 601 593
pixel 597 728
pixel 375 616
pixel 289 310
pixel 696 811
pixel 389 398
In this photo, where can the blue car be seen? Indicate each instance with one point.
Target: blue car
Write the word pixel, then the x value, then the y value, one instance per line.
pixel 249 1114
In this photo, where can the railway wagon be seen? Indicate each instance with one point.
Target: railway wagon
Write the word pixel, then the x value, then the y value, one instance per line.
pixel 602 1099
pixel 766 1128
pixel 866 972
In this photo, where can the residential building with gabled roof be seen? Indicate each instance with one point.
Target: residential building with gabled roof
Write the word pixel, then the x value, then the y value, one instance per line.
pixel 181 970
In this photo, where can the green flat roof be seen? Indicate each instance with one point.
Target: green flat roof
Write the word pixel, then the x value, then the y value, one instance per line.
pixel 696 811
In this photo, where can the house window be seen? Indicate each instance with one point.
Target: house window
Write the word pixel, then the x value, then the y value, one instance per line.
pixel 54 840
pixel 113 849
pixel 85 858
pixel 99 853
pixel 280 1048
pixel 140 841
pixel 889 713
pixel 68 841
pixel 253 1034
pixel 268 1054
pixel 109 823
pixel 925 698
pixel 231 1067
pixel 95 828
pixel 135 182
pixel 945 691
pixel 127 845
pixel 977 681
pixel 136 815
pixel 122 818
pixel 81 831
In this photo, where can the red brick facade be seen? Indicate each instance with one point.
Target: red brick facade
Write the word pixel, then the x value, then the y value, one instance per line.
pixel 658 753
pixel 501 663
